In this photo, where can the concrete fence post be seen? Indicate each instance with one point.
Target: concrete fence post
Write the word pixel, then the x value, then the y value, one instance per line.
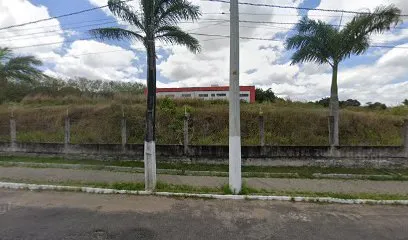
pixel 124 133
pixel 67 131
pixel 13 133
pixel 261 129
pixel 331 131
pixel 186 140
pixel 405 137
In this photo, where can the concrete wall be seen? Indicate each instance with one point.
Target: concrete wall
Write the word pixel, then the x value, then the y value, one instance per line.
pixel 350 156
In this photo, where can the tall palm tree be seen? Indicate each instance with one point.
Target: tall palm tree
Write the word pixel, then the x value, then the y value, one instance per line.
pixel 320 42
pixel 18 68
pixel 157 20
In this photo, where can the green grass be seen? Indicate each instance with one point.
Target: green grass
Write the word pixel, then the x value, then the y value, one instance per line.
pixel 286 123
pixel 223 190
pixel 251 171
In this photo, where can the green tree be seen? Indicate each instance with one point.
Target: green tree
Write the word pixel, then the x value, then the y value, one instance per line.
pixel 350 103
pixel 405 102
pixel 265 95
pixel 376 106
pixel 320 42
pixel 157 20
pixel 16 68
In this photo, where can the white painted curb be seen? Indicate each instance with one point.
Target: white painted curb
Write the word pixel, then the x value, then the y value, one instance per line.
pixel 17 186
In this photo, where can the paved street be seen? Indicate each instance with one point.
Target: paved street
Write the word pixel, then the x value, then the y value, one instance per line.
pixel 67 215
pixel 50 175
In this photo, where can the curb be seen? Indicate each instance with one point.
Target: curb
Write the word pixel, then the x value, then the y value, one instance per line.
pixel 141 170
pixel 33 187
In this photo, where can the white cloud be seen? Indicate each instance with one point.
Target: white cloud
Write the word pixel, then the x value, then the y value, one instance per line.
pixel 212 64
pixel 109 62
pixel 265 63
pixel 22 11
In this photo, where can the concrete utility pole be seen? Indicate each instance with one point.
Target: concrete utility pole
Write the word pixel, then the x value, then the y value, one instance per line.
pixel 235 181
pixel 150 139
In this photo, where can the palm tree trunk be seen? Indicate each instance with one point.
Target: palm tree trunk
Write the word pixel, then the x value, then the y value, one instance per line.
pixel 334 105
pixel 3 88
pixel 150 145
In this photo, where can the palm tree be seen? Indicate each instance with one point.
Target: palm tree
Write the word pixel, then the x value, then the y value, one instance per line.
pixel 319 42
pixel 20 68
pixel 157 20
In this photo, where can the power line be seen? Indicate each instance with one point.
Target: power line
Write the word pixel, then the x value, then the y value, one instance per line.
pixel 297 8
pixel 58 25
pixel 107 21
pixel 278 23
pixel 56 17
pixel 123 50
pixel 226 36
pixel 18 37
pixel 90 38
pixel 22 36
pixel 198 34
pixel 273 14
pixel 216 22
pixel 53 43
pixel 91 53
pixel 277 40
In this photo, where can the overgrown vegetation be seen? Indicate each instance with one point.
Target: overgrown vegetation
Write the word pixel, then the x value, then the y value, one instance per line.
pixel 40 118
pixel 52 91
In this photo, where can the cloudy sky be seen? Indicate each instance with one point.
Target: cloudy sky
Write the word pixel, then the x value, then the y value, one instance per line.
pixel 68 51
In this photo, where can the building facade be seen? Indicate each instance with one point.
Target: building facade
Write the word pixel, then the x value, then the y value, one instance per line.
pixel 247 93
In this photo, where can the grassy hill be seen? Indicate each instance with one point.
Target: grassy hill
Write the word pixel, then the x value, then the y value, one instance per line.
pixel 41 119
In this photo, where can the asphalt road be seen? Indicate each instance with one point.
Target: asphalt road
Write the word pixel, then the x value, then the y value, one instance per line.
pixel 67 215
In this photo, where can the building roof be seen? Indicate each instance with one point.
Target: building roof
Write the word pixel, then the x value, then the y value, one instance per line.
pixel 204 89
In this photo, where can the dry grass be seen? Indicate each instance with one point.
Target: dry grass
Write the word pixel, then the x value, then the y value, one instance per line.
pixel 285 123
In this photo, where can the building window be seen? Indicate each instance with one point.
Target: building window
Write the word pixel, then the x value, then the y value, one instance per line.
pixel 243 95
pixel 203 95
pixel 221 94
pixel 186 95
pixel 170 95
pixel 213 95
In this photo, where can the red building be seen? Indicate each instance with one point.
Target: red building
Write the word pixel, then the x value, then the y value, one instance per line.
pixel 247 93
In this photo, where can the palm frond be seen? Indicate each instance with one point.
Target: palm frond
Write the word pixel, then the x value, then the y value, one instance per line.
pixel 175 35
pixel 315 41
pixel 22 68
pixel 120 9
pixel 24 61
pixel 5 53
pixel 173 11
pixel 115 34
pixel 309 26
pixel 309 54
pixel 355 35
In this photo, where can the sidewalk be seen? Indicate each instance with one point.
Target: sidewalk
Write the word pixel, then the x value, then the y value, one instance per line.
pixel 50 175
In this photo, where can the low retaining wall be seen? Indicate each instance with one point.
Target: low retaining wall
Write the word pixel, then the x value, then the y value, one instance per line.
pixel 350 156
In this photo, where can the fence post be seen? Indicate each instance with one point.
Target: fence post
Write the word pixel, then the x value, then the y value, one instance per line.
pixel 124 133
pixel 67 139
pixel 186 142
pixel 261 129
pixel 13 132
pixel 405 137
